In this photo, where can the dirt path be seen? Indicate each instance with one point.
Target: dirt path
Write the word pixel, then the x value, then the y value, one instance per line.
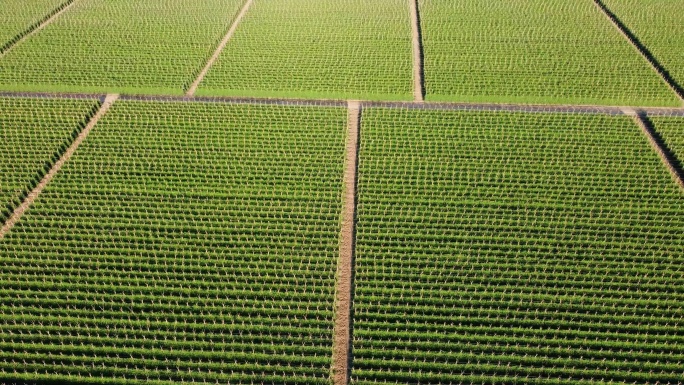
pixel 342 339
pixel 454 106
pixel 193 87
pixel 63 8
pixel 643 50
pixel 417 53
pixel 658 147
pixel 21 209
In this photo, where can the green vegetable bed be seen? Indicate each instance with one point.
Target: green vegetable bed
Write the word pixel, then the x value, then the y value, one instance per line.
pixel 183 242
pixel 515 248
pixel 538 51
pixel 123 46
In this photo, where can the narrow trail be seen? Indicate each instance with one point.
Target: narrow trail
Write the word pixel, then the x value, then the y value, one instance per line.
pixel 642 49
pixel 342 339
pixel 193 87
pixel 21 209
pixel 454 106
pixel 418 82
pixel 37 27
pixel 658 145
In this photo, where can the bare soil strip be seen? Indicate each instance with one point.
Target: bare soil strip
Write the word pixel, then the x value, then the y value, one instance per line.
pixel 660 148
pixel 21 209
pixel 36 27
pixel 193 87
pixel 343 301
pixel 454 106
pixel 642 49
pixel 418 90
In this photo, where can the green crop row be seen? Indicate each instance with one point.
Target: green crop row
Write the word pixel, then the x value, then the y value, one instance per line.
pixel 671 130
pixel 34 133
pixel 183 242
pixel 346 49
pixel 19 16
pixel 500 247
pixel 134 46
pixel 658 25
pixel 559 51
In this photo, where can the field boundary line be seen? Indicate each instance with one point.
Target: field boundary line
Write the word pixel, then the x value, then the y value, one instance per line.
pixel 345 269
pixel 454 106
pixel 659 146
pixel 417 40
pixel 30 31
pixel 642 49
pixel 31 197
pixel 193 87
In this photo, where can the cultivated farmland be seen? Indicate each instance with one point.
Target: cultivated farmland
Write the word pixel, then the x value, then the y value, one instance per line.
pixel 515 248
pixel 539 51
pixel 270 192
pixel 134 46
pixel 33 134
pixel 17 16
pixel 182 243
pixel 318 49
pixel 671 129
pixel 659 25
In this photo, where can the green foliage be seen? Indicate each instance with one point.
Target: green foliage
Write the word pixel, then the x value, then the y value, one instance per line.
pixel 538 51
pixel 349 49
pixel 17 17
pixel 184 242
pixel 33 135
pixel 120 46
pixel 515 248
pixel 659 25
pixel 671 129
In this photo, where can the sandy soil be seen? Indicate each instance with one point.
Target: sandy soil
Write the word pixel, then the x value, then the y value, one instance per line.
pixel 341 343
pixel 417 54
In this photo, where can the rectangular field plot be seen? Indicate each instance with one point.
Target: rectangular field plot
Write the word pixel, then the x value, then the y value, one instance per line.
pixel 659 25
pixel 349 49
pixel 17 16
pixel 33 135
pixel 125 46
pixel 183 242
pixel 538 51
pixel 512 248
pixel 671 130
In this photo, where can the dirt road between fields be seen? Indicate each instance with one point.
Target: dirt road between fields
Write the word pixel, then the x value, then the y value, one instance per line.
pixel 342 338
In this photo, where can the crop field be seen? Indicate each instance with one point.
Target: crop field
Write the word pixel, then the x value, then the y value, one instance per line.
pixel 183 243
pixel 299 192
pixel 659 25
pixel 671 129
pixel 32 134
pixel 134 46
pixel 318 49
pixel 506 248
pixel 19 15
pixel 539 51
